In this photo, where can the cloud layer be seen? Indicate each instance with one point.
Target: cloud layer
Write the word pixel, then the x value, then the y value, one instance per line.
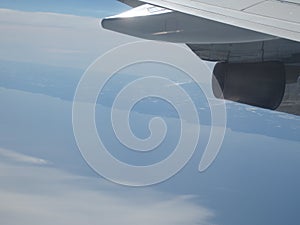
pixel 34 194
pixel 54 39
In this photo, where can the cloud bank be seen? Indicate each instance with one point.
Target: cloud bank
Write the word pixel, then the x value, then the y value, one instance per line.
pixel 35 194
pixel 54 39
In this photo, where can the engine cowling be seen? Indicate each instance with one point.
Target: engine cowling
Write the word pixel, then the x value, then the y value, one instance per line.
pixel 257 84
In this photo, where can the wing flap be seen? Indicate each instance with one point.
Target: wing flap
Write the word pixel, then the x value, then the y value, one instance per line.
pixel 278 11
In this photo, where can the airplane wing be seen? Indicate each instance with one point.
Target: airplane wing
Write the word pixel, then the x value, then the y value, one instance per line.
pixel 132 3
pixel 280 18
pixel 256 43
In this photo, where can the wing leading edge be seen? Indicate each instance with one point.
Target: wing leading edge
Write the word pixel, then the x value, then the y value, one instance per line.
pixel 158 23
pixel 283 20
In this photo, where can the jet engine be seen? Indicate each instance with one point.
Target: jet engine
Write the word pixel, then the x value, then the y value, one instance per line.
pixel 258 84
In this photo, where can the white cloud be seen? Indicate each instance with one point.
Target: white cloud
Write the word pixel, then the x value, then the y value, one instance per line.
pixel 28 36
pixel 44 195
pixel 17 157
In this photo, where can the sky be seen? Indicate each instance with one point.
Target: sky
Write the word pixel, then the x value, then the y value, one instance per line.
pixel 44 179
pixel 46 47
pixel 57 41
pixel 91 8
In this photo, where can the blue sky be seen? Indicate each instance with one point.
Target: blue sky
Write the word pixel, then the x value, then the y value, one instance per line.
pixel 42 174
pixel 43 178
pixel 92 8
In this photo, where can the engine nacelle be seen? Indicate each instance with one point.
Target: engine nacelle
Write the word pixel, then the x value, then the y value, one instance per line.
pixel 258 84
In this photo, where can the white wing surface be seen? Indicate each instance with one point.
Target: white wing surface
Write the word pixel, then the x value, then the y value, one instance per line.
pixel 272 17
